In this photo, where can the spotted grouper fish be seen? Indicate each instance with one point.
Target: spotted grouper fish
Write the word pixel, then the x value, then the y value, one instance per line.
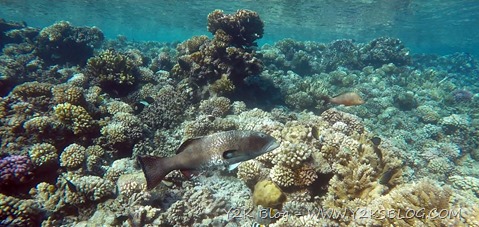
pixel 208 152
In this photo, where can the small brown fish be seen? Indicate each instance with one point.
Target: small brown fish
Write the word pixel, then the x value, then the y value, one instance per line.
pixel 347 99
pixel 208 152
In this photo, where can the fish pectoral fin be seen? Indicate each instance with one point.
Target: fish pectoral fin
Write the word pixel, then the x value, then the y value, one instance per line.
pixel 229 154
pixel 188 173
pixel 233 166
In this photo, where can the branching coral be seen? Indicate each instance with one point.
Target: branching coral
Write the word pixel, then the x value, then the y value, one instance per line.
pixel 73 156
pixel 19 212
pixel 42 154
pixel 245 26
pixel 115 72
pixel 64 93
pixel 75 117
pixel 221 64
pixel 62 42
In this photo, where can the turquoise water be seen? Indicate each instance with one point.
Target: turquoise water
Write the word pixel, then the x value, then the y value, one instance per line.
pixel 425 26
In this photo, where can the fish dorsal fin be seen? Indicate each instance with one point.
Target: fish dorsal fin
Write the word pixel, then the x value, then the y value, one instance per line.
pixel 187 143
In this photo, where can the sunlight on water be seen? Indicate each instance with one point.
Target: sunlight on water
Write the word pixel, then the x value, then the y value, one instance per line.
pixel 427 26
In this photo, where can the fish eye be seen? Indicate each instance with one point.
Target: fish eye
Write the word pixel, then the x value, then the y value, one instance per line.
pixel 262 135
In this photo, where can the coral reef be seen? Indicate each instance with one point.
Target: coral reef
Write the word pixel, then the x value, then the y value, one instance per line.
pixel 76 118
pixel 222 64
pixel 73 122
pixel 115 72
pixel 245 26
pixel 64 43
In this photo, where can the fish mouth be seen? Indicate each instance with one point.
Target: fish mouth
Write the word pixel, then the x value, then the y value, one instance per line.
pixel 272 146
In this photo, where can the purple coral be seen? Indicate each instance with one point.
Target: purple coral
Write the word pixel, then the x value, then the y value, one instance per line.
pixel 15 169
pixel 460 95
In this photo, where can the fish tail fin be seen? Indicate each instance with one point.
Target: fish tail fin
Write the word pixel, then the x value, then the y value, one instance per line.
pixel 154 169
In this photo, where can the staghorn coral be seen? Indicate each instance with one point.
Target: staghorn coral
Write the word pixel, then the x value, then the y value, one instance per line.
pixel 73 156
pixel 75 117
pixel 42 154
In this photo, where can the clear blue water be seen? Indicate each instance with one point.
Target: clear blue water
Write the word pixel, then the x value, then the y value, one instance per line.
pixel 429 26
